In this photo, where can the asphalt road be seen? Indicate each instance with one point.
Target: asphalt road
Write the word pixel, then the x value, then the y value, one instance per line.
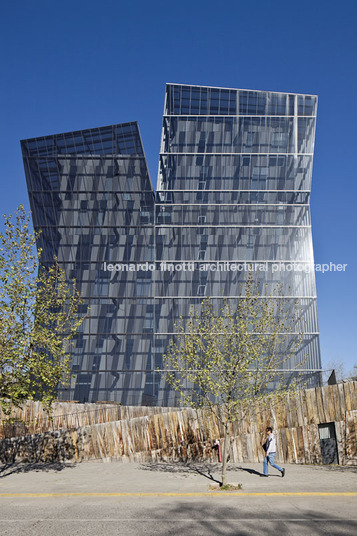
pixel 169 499
pixel 164 516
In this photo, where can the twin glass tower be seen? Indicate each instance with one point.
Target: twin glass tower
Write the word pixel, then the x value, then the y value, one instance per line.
pixel 232 197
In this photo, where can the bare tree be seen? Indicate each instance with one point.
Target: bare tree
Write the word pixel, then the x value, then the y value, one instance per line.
pixel 229 360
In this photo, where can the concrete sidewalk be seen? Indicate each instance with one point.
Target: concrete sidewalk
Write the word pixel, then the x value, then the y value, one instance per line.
pixel 97 477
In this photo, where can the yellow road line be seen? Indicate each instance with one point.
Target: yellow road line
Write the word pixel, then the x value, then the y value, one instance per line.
pixel 189 494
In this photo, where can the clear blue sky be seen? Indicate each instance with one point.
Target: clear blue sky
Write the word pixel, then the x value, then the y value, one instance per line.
pixel 78 64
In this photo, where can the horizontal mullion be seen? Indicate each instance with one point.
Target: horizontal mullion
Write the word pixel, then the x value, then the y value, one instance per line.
pixel 206 226
pixel 239 116
pixel 251 333
pixel 233 204
pixel 247 153
pixel 225 297
pixel 66 156
pixel 231 190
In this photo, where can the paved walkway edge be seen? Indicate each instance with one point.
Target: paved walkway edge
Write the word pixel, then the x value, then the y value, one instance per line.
pixel 193 494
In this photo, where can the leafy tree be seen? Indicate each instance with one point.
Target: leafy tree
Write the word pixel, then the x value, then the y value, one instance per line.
pixel 38 318
pixel 230 360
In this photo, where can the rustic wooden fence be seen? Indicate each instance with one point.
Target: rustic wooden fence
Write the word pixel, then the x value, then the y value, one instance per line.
pixel 32 417
pixel 142 434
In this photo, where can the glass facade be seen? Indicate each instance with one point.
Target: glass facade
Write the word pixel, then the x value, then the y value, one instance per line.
pixel 91 195
pixel 233 192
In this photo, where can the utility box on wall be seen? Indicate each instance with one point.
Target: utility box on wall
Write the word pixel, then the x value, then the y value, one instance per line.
pixel 328 443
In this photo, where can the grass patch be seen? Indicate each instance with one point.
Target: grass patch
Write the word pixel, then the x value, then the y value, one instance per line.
pixel 227 487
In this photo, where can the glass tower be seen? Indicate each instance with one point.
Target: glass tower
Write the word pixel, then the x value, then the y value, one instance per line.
pixel 91 196
pixel 233 192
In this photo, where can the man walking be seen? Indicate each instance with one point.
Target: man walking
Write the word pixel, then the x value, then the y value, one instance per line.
pixel 270 452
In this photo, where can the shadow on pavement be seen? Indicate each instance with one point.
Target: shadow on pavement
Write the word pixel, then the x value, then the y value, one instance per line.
pixel 208 475
pixel 337 468
pixel 204 469
pixel 221 520
pixel 250 471
pixel 257 473
pixel 8 469
pixel 183 468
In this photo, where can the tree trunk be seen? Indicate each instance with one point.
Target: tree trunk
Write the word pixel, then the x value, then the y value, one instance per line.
pixel 225 456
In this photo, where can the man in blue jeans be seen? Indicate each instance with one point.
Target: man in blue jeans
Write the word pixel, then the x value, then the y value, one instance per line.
pixel 270 451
